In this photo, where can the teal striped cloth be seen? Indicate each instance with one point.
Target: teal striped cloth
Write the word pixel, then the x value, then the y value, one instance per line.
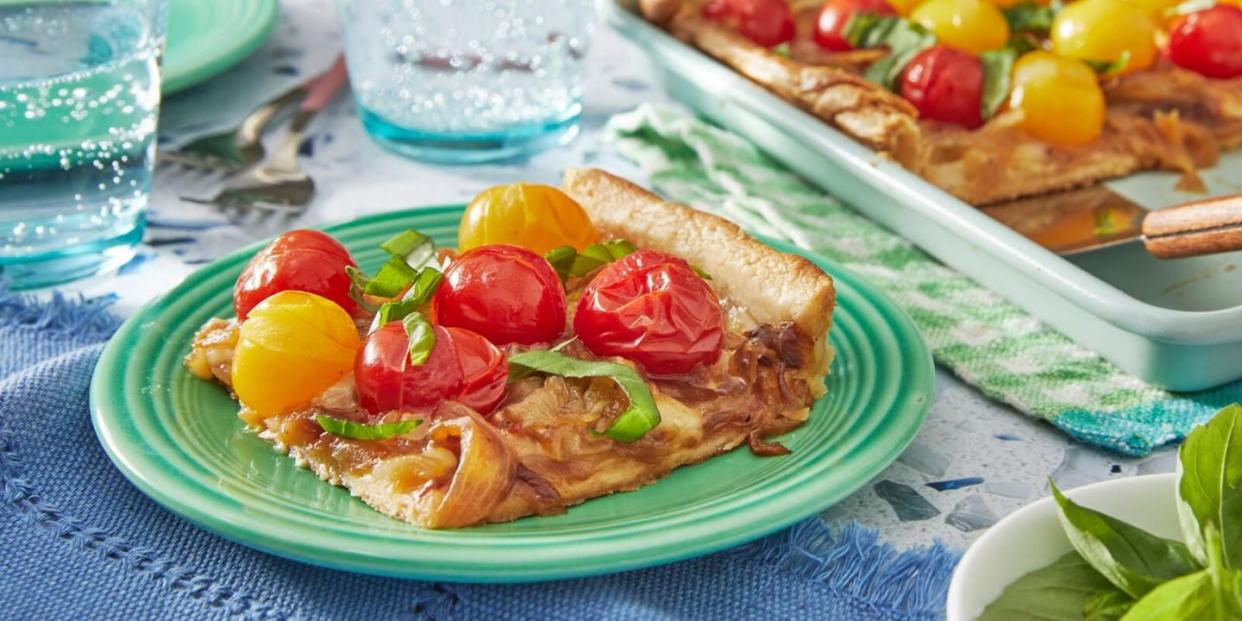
pixel 984 339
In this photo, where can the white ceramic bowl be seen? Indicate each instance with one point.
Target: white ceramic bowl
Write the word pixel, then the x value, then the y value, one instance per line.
pixel 1031 537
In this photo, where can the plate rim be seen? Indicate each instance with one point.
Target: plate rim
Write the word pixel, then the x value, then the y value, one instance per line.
pixel 245 40
pixel 108 393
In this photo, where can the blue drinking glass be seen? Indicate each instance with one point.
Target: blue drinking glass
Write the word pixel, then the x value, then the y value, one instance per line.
pixel 466 81
pixel 79 97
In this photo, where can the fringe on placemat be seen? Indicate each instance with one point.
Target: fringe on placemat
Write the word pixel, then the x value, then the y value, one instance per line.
pixel 81 317
pixel 852 561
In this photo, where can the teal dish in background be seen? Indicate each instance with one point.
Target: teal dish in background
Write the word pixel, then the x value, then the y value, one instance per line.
pixel 178 439
pixel 1176 324
pixel 205 37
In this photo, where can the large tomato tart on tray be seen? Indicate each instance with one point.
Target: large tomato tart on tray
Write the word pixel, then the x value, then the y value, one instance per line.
pixel 580 341
pixel 995 100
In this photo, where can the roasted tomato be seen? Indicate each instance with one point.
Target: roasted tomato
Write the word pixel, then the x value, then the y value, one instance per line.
pixel 653 309
pixel 1105 30
pixel 766 22
pixel 945 84
pixel 971 25
pixel 293 346
pixel 506 293
pixel 462 366
pixel 301 260
pixel 1209 42
pixel 1060 98
pixel 531 215
pixel 387 380
pixel 484 370
pixel 835 14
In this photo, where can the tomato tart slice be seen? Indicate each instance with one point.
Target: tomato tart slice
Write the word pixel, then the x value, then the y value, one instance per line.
pixel 994 100
pixel 583 341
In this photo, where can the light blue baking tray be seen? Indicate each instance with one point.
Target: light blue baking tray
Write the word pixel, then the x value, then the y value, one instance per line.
pixel 1176 323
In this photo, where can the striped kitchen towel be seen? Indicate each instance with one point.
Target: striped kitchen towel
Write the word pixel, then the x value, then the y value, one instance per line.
pixel 987 341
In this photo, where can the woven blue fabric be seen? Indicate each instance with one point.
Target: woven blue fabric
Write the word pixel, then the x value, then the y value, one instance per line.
pixel 77 540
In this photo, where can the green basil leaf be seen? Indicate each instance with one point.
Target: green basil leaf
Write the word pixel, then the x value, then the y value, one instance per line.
pixel 1030 17
pixel 1107 606
pixel 1189 598
pixel 391 278
pixel 1058 591
pixel 640 417
pixel 864 30
pixel 561 258
pixel 781 50
pixel 997 67
pixel 619 248
pixel 590 259
pixel 905 40
pixel 570 263
pixel 357 285
pixel 1209 485
pixel 424 286
pixel 1131 558
pixel 363 431
pixel 417 249
pixel 418 295
pixel 422 337
pixel 1110 67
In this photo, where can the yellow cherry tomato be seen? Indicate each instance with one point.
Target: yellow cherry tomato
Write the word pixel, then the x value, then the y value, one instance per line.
pixel 1154 8
pixel 539 217
pixel 1104 30
pixel 292 346
pixel 1006 4
pixel 971 25
pixel 1060 98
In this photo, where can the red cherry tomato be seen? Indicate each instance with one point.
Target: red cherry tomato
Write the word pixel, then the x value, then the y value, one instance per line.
pixel 463 367
pixel 653 309
pixel 1209 42
pixel 945 84
pixel 766 22
pixel 835 14
pixel 386 381
pixel 301 260
pixel 505 293
pixel 484 370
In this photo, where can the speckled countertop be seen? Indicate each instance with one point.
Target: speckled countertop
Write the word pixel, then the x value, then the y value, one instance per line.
pixel 973 461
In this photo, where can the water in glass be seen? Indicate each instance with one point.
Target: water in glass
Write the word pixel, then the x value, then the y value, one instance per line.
pixel 467 80
pixel 79 94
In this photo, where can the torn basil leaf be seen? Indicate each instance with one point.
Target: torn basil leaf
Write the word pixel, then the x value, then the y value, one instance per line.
pixel 363 431
pixel 569 263
pixel 904 40
pixel 864 30
pixel 997 67
pixel 638 418
pixel 417 249
pixel 1110 67
pixel 391 279
pixel 422 337
pixel 1031 17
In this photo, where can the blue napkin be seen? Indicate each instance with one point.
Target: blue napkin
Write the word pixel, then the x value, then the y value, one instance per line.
pixel 77 540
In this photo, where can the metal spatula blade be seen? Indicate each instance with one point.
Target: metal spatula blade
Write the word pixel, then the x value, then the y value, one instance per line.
pixel 1091 218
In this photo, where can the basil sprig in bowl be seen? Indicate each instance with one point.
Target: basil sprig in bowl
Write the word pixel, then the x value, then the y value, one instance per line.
pixel 1135 549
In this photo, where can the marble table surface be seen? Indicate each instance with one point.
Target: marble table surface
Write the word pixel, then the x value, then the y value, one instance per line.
pixel 974 460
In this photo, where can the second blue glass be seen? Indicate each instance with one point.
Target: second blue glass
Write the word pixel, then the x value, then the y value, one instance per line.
pixel 463 81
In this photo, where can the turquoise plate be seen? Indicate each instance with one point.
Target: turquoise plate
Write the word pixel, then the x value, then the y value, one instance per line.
pixel 206 37
pixel 178 439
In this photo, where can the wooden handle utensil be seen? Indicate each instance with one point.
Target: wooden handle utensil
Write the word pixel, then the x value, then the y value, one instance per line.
pixel 1200 227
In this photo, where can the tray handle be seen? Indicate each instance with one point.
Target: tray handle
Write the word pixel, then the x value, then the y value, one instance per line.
pixel 1196 228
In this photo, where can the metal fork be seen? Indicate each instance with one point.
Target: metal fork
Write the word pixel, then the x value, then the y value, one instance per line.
pixel 279 184
pixel 233 149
